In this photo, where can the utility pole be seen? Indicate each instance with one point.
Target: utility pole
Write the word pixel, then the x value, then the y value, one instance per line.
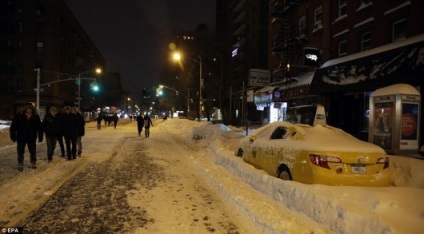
pixel 38 90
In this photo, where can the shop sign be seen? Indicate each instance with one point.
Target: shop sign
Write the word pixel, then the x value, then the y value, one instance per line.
pixel 258 77
pixel 266 98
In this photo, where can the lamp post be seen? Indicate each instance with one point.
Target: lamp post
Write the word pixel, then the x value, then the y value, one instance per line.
pixel 38 90
pixel 177 57
pixel 78 79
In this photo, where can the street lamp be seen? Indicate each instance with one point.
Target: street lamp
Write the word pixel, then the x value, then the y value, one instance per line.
pixel 177 57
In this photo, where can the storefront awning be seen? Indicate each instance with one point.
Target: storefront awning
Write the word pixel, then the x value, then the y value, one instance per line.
pixel 399 62
pixel 266 94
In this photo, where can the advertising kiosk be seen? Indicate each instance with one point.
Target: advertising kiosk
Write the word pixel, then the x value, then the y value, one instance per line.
pixel 394 119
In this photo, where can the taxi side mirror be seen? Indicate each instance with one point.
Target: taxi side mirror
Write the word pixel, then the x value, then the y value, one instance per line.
pixel 252 139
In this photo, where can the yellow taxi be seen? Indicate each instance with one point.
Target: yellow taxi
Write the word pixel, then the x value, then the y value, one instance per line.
pixel 315 154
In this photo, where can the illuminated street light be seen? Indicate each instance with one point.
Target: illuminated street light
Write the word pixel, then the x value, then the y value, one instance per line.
pixel 178 57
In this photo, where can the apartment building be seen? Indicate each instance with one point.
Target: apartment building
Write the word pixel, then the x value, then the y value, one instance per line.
pixel 43 34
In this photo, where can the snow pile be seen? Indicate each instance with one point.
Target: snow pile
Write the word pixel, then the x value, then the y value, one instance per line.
pixel 343 209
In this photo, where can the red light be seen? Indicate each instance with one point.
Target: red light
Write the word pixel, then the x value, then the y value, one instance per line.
pixel 384 161
pixel 322 161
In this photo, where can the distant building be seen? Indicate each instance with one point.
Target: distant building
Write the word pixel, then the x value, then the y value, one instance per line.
pixel 242 35
pixel 43 34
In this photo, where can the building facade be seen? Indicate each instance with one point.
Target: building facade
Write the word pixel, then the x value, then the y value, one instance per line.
pixel 242 28
pixel 362 46
pixel 44 35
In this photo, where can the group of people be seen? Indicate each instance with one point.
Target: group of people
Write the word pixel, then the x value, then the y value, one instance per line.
pixel 145 122
pixel 108 118
pixel 27 126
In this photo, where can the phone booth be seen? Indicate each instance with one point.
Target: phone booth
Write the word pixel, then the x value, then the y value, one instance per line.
pixel 394 119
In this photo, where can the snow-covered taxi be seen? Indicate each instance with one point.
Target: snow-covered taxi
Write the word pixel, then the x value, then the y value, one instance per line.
pixel 315 154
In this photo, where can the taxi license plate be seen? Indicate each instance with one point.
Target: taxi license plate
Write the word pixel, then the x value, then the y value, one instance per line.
pixel 359 169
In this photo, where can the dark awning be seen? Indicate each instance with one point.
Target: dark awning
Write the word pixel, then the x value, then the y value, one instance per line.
pixel 399 62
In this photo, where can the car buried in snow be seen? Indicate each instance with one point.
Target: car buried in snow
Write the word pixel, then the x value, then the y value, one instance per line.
pixel 315 154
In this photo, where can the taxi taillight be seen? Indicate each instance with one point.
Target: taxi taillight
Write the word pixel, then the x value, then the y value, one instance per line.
pixel 323 161
pixel 384 161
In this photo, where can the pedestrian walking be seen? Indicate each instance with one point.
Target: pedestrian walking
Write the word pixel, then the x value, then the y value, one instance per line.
pixel 25 128
pixel 99 121
pixel 60 137
pixel 52 129
pixel 115 120
pixel 140 124
pixel 70 132
pixel 147 123
pixel 80 129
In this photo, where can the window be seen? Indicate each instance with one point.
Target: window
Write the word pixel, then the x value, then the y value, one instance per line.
pixel 365 38
pixel 40 46
pixel 342 47
pixel 302 26
pixel 318 19
pixel 342 8
pixel 279 133
pixel 399 30
pixel 318 14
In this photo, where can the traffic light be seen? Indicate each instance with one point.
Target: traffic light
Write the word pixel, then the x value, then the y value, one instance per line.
pixel 94 87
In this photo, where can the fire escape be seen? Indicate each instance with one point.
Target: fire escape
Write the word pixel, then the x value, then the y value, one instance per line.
pixel 287 42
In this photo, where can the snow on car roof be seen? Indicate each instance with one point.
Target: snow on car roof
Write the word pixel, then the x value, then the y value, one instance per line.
pixel 323 138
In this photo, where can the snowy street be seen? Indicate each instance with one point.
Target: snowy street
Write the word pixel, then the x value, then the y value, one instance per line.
pixel 185 178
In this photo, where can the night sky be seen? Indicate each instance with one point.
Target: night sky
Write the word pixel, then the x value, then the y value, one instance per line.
pixel 133 35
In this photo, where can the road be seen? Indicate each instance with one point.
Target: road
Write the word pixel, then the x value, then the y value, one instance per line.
pixel 120 184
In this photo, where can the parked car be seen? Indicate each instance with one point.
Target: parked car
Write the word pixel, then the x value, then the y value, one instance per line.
pixel 315 154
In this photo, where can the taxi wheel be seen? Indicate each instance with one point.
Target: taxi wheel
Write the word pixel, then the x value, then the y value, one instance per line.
pixel 284 173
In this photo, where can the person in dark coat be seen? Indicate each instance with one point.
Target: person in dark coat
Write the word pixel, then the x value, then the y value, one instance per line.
pixel 99 121
pixel 115 120
pixel 70 132
pixel 147 124
pixel 60 136
pixel 80 129
pixel 25 128
pixel 52 129
pixel 140 123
